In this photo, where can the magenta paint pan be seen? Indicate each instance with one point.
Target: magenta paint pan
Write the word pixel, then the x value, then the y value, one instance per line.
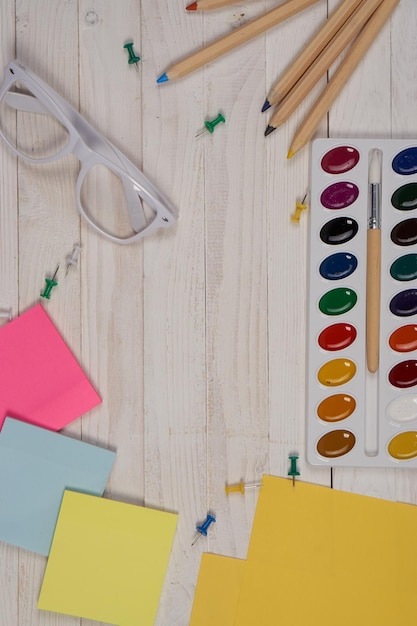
pixel 341 428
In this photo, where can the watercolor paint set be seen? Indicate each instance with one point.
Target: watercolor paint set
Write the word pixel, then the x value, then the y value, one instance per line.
pixel 362 282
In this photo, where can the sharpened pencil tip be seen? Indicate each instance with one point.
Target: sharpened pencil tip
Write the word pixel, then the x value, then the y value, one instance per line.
pixel 192 7
pixel 162 79
pixel 266 106
pixel 290 154
pixel 269 129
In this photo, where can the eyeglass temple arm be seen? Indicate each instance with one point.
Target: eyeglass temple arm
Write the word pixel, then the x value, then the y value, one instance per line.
pixel 31 104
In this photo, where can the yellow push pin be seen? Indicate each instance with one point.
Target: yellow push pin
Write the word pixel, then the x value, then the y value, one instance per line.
pixel 299 208
pixel 240 487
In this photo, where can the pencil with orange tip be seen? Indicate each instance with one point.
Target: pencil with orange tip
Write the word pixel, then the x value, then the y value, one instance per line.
pixel 346 68
pixel 235 38
pixel 207 5
pixel 310 52
pixel 319 67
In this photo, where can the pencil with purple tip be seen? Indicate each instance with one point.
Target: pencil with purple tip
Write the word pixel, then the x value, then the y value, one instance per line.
pixel 310 52
pixel 341 76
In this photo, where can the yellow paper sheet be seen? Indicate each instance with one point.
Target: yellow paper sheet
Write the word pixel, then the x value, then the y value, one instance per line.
pixel 108 560
pixel 322 557
pixel 217 591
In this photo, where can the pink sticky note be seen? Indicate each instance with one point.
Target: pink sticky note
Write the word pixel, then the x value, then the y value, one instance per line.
pixel 40 380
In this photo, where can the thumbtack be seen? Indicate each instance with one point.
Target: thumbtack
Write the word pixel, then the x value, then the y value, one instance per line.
pixel 133 58
pixel 211 125
pixel 50 283
pixel 240 487
pixel 73 257
pixel 299 208
pixel 202 529
pixel 7 315
pixel 293 471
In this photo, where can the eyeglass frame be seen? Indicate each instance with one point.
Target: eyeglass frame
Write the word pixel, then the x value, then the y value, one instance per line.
pixel 91 149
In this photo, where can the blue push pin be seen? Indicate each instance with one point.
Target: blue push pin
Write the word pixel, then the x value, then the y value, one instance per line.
pixel 202 529
pixel 293 471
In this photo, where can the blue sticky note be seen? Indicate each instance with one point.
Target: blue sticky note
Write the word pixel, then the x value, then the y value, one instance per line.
pixel 36 466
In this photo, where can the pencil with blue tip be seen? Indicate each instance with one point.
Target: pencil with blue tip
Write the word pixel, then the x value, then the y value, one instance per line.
pixel 235 38
pixel 311 52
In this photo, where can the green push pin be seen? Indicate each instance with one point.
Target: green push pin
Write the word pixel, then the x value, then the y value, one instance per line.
pixel 133 58
pixel 293 471
pixel 211 125
pixel 50 283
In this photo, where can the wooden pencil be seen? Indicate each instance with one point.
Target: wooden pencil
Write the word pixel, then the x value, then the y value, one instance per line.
pixel 207 5
pixel 235 38
pixel 357 51
pixel 310 52
pixel 322 63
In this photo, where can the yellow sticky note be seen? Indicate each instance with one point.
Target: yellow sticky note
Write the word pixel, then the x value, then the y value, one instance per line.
pixel 321 557
pixel 108 560
pixel 217 591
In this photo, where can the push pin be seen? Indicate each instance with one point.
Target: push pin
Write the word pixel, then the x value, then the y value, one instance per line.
pixel 299 208
pixel 133 58
pixel 73 257
pixel 240 487
pixel 202 529
pixel 211 125
pixel 293 471
pixel 6 315
pixel 50 283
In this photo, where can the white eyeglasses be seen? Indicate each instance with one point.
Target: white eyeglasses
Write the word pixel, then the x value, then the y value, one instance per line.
pixel 137 208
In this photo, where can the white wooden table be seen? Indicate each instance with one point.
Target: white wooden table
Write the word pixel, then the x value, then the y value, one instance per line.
pixel 194 337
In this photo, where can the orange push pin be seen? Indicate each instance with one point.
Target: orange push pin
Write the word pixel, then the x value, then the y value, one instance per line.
pixel 299 208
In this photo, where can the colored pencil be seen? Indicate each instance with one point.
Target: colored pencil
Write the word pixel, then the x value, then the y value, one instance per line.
pixel 235 38
pixel 207 5
pixel 310 52
pixel 355 54
pixel 322 63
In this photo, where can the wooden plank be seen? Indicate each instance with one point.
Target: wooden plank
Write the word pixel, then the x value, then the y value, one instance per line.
pixel 175 441
pixel 236 285
pixel 403 97
pixel 48 221
pixel 363 109
pixel 9 559
pixel 287 181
